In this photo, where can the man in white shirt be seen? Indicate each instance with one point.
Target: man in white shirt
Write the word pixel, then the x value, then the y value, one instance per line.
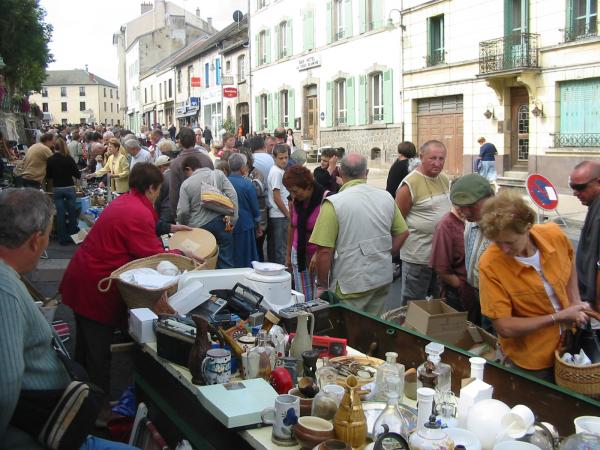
pixel 263 161
pixel 138 154
pixel 279 214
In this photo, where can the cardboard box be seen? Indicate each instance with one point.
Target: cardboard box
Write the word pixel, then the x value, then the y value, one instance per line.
pixel 141 325
pixel 477 341
pixel 436 319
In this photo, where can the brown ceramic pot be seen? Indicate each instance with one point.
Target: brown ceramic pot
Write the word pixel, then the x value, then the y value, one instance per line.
pixel 305 403
pixel 310 431
pixel 334 444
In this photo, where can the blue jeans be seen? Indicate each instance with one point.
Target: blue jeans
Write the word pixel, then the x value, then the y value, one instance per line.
pixel 64 200
pixel 95 443
pixel 224 241
pixel 277 239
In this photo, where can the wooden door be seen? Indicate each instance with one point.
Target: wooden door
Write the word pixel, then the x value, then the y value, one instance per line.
pixel 312 117
pixel 519 130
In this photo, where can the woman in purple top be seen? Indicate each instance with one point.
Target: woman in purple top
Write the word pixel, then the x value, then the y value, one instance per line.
pixel 307 196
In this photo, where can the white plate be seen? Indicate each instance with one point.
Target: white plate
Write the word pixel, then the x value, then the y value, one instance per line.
pixel 267 268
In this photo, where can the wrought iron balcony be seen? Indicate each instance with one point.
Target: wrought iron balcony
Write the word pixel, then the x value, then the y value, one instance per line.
pixel 581 30
pixel 576 140
pixel 512 52
pixel 435 58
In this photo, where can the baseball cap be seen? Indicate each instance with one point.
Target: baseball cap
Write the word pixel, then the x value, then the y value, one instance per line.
pixel 162 160
pixel 469 189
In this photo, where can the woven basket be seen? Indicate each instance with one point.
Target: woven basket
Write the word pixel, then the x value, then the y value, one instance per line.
pixel 397 315
pixel 581 379
pixel 136 296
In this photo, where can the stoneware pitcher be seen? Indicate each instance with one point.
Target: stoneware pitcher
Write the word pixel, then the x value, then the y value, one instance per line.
pixel 303 339
pixel 349 422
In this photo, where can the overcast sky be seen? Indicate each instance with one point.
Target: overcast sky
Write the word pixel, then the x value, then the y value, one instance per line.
pixel 83 29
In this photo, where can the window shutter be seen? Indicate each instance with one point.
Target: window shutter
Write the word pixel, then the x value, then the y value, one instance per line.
pixel 270 112
pixel 277 43
pixel 388 97
pixel 291 109
pixel 350 101
pixel 362 100
pixel 362 16
pixel 276 118
pixel 329 104
pixel 308 25
pixel 257 115
pixel 329 22
pixel 348 19
pixel 268 45
pixel 256 51
pixel 218 71
pixel 289 38
pixel 377 14
pixel 508 17
pixel 569 25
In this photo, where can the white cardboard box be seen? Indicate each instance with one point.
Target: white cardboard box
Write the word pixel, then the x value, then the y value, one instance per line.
pixel 141 325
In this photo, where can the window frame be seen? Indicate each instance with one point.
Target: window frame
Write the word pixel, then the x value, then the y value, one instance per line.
pixel 436 51
pixel 264 116
pixel 45 107
pixel 284 108
pixel 282 43
pixel 44 92
pixel 64 107
pixel 339 18
pixel 340 102
pixel 241 68
pixel 375 104
pixel 262 47
pixel 63 91
pixel 82 91
pixel 589 19
pixel 82 106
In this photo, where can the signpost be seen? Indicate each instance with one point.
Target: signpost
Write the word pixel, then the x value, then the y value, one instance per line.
pixel 542 192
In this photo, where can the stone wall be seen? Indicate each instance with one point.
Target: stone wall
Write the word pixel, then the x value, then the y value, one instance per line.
pixel 363 139
pixel 14 127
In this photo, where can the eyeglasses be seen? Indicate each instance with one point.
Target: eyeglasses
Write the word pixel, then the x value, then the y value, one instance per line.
pixel 581 186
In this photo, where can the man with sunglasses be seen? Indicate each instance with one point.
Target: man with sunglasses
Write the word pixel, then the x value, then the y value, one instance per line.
pixel 585 183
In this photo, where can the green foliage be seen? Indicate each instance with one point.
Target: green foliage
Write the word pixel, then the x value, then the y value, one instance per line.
pixel 24 38
pixel 229 126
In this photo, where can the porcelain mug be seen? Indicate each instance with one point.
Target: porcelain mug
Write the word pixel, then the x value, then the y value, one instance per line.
pixel 283 417
pixel 216 367
pixel 247 342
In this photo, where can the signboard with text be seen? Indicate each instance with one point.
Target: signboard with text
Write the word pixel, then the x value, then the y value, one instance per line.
pixel 230 92
pixel 308 62
pixel 195 81
pixel 194 101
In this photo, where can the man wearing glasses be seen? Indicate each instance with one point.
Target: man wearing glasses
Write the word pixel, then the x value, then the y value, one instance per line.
pixel 585 183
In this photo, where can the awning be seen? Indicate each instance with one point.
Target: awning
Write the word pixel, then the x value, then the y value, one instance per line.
pixel 187 114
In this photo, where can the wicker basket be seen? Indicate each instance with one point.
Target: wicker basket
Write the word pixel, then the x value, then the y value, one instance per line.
pixel 136 296
pixel 581 379
pixel 397 315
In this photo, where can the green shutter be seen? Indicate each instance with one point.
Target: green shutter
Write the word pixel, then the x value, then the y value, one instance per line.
pixel 257 115
pixel 291 109
pixel 524 16
pixel 579 109
pixel 270 112
pixel 277 41
pixel 348 19
pixel 350 117
pixel 569 25
pixel 388 97
pixel 377 14
pixel 508 17
pixel 308 23
pixel 329 22
pixel 276 118
pixel 256 51
pixel 329 105
pixel 268 44
pixel 289 39
pixel 362 100
pixel 362 16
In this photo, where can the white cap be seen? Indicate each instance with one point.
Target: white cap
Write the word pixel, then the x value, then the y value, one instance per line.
pixel 162 160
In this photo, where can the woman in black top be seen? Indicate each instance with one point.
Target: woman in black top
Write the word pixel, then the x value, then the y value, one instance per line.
pixel 406 151
pixel 61 169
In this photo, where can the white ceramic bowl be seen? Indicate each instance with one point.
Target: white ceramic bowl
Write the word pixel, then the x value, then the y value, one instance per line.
pixel 515 445
pixel 464 437
pixel 267 268
pixel 587 424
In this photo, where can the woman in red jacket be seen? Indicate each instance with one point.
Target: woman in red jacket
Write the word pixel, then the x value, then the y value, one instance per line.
pixel 126 230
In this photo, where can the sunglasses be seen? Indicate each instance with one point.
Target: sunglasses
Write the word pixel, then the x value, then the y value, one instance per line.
pixel 582 186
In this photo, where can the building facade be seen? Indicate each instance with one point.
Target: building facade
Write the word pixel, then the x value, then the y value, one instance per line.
pixel 77 96
pixel 160 31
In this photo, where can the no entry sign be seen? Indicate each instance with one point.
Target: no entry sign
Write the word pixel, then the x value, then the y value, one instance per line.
pixel 542 192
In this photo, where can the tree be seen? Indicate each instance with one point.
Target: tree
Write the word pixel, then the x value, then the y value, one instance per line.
pixel 24 38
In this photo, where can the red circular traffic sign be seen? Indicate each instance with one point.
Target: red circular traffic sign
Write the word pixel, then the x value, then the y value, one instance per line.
pixel 542 192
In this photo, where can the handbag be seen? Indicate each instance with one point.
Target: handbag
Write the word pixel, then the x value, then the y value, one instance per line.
pixel 213 199
pixel 60 419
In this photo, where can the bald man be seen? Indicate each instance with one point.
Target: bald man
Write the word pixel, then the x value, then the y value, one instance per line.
pixel 585 183
pixel 357 232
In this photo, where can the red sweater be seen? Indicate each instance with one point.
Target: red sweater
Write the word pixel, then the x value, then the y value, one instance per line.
pixel 125 231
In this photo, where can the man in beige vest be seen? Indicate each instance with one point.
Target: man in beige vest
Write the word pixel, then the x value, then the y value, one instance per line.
pixel 33 170
pixel 357 232
pixel 423 199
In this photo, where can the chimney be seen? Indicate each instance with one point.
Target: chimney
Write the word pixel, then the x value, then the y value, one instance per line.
pixel 197 12
pixel 209 21
pixel 86 67
pixel 145 7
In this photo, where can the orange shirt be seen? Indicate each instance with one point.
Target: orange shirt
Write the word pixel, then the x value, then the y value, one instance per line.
pixel 508 288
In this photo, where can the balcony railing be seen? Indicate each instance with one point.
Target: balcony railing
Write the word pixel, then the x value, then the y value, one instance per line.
pixel 581 30
pixel 516 51
pixel 576 140
pixel 376 118
pixel 340 120
pixel 435 58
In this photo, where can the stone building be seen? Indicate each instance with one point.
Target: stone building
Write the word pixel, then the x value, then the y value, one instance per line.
pixel 77 96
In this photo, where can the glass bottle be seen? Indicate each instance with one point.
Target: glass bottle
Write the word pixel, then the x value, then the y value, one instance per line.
pixel 388 369
pixel 391 415
pixel 261 358
pixel 326 374
pixel 443 371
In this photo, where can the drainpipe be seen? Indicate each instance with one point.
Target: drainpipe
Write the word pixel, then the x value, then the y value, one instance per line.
pixel 251 102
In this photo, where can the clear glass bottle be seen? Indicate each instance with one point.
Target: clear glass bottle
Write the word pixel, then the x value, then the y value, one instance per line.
pixel 388 369
pixel 391 415
pixel 261 358
pixel 443 371
pixel 326 374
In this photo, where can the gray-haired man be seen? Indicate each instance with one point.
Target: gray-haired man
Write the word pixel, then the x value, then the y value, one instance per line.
pixel 138 154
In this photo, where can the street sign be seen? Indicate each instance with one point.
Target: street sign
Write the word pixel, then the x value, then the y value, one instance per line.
pixel 194 101
pixel 542 192
pixel 227 80
pixel 230 92
pixel 196 82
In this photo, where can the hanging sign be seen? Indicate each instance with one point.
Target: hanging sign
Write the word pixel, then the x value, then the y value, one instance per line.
pixel 230 92
pixel 196 82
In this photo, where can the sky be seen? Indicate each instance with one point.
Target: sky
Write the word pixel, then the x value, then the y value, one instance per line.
pixel 83 29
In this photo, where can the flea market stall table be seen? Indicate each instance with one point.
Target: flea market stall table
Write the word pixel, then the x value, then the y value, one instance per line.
pixel 175 407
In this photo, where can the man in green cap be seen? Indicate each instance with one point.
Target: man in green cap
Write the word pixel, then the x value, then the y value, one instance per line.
pixel 468 193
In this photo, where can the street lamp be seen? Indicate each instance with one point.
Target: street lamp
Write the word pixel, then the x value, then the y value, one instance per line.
pixel 390 23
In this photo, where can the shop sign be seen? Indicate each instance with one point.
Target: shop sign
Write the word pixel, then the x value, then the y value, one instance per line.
pixel 196 82
pixel 180 110
pixel 194 101
pixel 226 80
pixel 230 92
pixel 309 62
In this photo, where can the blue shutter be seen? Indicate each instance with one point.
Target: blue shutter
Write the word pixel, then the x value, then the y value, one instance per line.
pixel 218 71
pixel 579 107
pixel 206 75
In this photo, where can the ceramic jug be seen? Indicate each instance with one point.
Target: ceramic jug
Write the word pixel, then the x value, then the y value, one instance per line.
pixel 199 349
pixel 349 422
pixel 303 339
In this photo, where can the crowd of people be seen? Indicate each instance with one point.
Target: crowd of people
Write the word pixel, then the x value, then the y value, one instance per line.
pixel 338 236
